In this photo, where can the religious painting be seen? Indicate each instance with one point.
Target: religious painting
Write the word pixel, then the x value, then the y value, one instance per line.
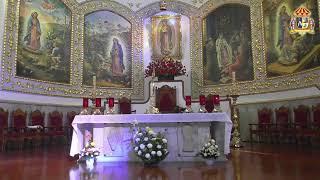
pixel 227 45
pixel 292 39
pixel 107 50
pixel 43 50
pixel 166 37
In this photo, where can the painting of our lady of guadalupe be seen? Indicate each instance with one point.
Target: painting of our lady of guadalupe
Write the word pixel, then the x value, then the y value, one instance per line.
pixel 107 50
pixel 43 51
pixel 227 45
pixel 287 51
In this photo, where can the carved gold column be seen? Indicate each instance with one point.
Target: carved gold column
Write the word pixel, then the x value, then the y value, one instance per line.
pixel 235 140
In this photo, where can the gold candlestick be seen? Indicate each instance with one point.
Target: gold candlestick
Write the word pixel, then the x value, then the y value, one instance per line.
pixel 235 140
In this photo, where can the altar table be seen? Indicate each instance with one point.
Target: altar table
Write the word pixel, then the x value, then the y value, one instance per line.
pixel 186 134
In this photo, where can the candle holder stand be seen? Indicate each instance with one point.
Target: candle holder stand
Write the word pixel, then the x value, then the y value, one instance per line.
pixel 217 108
pixel 188 109
pixel 202 109
pixel 84 111
pixel 235 140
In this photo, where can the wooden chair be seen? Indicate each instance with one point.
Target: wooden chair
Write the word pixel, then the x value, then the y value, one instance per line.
pixel 166 99
pixel 262 128
pixel 3 126
pixel 315 125
pixel 301 121
pixel 209 103
pixel 55 128
pixel 283 128
pixel 124 106
pixel 37 119
pixel 17 133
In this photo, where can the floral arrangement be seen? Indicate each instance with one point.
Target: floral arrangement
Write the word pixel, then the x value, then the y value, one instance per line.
pixel 88 152
pixel 210 150
pixel 150 147
pixel 165 67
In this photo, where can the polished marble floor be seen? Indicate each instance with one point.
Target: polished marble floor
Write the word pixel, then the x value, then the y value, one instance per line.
pixel 265 162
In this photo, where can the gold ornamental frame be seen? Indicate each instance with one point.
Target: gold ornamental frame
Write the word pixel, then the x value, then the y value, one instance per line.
pixel 11 82
pixel 177 20
pixel 260 84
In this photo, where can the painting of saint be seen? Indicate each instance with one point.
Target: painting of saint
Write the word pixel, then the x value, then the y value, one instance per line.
pixel 107 50
pixel 165 32
pixel 166 36
pixel 44 39
pixel 117 58
pixel 227 45
pixel 288 53
pixel 33 32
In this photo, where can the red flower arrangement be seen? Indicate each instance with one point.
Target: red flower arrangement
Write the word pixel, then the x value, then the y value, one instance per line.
pixel 165 67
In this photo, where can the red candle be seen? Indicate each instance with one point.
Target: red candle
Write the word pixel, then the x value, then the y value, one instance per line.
pixel 85 103
pixel 216 99
pixel 98 102
pixel 111 102
pixel 202 100
pixel 188 100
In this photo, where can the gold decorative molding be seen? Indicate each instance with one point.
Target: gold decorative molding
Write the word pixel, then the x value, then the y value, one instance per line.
pixel 261 83
pixel 75 88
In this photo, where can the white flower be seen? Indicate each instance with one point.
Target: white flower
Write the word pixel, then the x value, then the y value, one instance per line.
pixel 151 132
pixel 148 156
pixel 137 139
pixel 142 146
pixel 139 134
pixel 213 141
pixel 164 141
pixel 218 153
pixel 153 139
pixel 153 152
pixel 206 145
pixel 159 146
pixel 139 152
pixel 216 146
pixel 205 154
pixel 136 148
pixel 159 153
pixel 149 145
pixel 146 139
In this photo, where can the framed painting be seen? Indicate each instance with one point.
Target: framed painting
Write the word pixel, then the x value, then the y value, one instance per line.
pixel 107 50
pixel 286 52
pixel 166 36
pixel 44 39
pixel 227 45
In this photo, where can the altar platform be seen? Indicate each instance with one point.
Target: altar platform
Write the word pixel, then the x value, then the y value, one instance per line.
pixel 186 134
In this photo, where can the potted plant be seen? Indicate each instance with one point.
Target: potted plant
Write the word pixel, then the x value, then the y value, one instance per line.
pixel 165 69
pixel 210 152
pixel 88 153
pixel 150 147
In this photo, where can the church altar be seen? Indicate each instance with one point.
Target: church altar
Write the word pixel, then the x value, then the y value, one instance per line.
pixel 186 134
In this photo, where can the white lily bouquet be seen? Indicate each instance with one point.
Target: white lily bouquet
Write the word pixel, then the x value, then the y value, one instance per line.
pixel 88 152
pixel 210 150
pixel 150 147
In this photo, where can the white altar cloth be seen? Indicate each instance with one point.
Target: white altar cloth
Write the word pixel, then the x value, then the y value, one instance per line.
pixel 121 119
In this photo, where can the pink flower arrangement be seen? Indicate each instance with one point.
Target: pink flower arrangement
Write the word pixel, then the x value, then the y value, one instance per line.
pixel 165 67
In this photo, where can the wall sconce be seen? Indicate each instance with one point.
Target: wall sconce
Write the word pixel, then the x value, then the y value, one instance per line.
pixel 163 5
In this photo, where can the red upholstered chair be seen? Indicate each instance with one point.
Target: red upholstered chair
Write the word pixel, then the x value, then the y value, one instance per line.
pixel 301 121
pixel 316 117
pixel 18 131
pixel 262 128
pixel 166 99
pixel 283 127
pixel 3 125
pixel 124 106
pixel 55 128
pixel 37 119
pixel 209 103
